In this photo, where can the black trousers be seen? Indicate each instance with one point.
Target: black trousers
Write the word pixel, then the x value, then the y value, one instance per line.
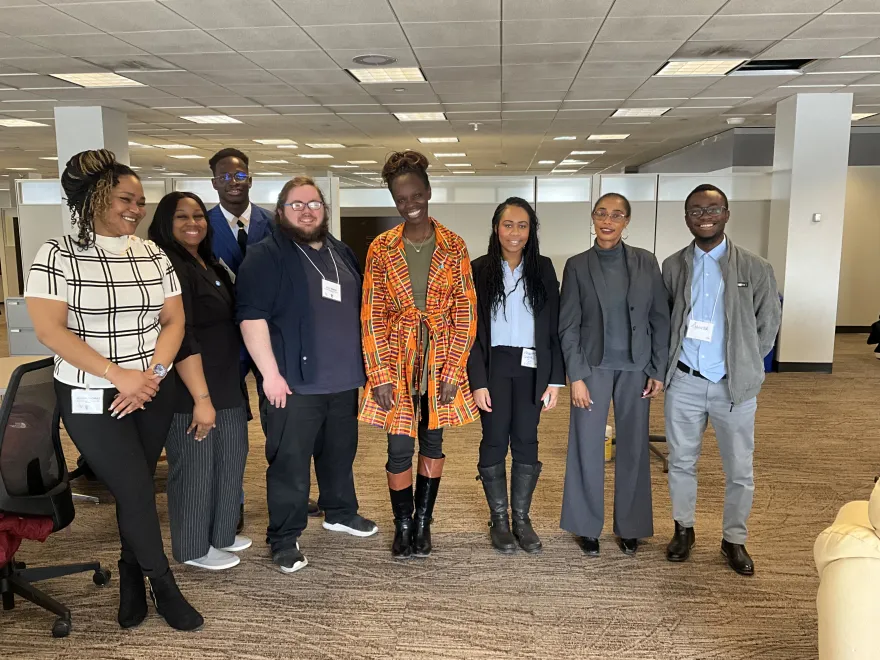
pixel 294 436
pixel 401 448
pixel 123 454
pixel 515 415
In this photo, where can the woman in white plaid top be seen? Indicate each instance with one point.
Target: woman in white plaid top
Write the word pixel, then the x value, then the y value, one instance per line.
pixel 108 304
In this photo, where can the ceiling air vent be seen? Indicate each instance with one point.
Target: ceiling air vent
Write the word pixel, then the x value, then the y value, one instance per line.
pixel 771 68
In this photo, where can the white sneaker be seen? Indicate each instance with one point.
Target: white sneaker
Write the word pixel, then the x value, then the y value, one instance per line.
pixel 240 543
pixel 356 526
pixel 215 560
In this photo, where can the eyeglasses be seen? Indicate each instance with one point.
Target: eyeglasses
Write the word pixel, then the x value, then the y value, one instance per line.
pixel 238 177
pixel 314 205
pixel 617 216
pixel 711 211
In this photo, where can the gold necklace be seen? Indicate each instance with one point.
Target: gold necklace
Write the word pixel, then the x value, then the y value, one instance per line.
pixel 418 248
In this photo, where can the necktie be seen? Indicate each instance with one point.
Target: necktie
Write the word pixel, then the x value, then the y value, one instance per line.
pixel 242 237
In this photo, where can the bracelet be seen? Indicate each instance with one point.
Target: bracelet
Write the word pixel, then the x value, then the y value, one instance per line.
pixel 104 375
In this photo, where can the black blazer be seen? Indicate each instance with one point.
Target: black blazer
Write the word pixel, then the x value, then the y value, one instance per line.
pixel 551 368
pixel 211 331
pixel 581 320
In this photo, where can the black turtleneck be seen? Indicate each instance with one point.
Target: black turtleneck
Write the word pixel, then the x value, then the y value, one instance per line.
pixel 618 353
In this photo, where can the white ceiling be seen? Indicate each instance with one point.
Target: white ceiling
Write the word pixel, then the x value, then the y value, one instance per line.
pixel 525 71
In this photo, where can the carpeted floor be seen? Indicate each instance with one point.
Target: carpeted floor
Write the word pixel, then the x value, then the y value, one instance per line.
pixel 816 449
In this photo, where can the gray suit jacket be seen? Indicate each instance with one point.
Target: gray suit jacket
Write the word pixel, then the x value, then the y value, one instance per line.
pixel 581 323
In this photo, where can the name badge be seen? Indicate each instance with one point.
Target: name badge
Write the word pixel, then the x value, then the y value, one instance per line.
pixel 87 402
pixel 331 290
pixel 700 330
pixel 529 358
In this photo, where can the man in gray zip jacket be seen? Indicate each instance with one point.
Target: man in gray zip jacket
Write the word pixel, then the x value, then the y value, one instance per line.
pixel 725 317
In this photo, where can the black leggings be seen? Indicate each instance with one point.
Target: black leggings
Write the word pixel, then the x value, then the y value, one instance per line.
pixel 123 454
pixel 401 448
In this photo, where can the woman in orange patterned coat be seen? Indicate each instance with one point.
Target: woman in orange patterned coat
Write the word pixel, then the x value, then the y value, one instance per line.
pixel 418 323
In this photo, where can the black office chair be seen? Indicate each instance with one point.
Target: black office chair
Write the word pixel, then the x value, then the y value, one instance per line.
pixel 34 483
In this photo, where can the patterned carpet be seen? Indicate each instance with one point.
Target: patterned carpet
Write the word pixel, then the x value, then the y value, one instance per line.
pixel 816 449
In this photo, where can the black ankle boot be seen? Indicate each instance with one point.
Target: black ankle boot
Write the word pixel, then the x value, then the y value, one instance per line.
pixel 172 606
pixel 402 506
pixel 523 479
pixel 679 548
pixel 494 480
pixel 132 595
pixel 425 496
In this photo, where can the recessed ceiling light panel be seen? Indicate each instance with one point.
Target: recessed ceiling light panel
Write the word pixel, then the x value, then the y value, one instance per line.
pixel 698 67
pixel 451 154
pixel 565 137
pixel 463 172
pixel 363 162
pixel 97 79
pixel 211 119
pixel 588 153
pixel 420 116
pixel 315 156
pixel 275 141
pixel 325 145
pixel 20 123
pixel 640 112
pixel 388 75
pixel 857 116
pixel 272 162
pixel 546 162
pixel 608 136
pixel 188 157
pixel 437 140
pixel 458 165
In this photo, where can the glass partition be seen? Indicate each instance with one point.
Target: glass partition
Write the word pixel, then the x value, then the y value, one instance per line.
pixel 641 191
pixel 564 212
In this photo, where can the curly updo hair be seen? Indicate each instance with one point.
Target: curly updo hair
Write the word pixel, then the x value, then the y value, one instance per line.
pixel 88 181
pixel 405 162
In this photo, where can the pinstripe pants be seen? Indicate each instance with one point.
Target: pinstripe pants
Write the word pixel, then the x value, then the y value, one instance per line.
pixel 204 483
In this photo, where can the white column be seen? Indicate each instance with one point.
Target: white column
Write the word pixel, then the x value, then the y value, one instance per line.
pixel 82 128
pixel 810 161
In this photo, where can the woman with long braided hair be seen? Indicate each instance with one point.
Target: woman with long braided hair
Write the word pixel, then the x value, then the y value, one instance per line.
pixel 108 305
pixel 515 367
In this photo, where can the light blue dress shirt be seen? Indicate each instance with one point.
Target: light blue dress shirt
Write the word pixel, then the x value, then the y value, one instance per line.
pixel 513 324
pixel 707 286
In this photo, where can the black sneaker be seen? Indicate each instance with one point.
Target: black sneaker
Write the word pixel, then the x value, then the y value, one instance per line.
pixel 290 560
pixel 357 525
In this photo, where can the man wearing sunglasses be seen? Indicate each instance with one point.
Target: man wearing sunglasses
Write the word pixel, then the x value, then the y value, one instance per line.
pixel 725 316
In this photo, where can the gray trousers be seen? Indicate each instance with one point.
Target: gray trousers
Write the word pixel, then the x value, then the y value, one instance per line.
pixel 204 483
pixel 691 402
pixel 583 498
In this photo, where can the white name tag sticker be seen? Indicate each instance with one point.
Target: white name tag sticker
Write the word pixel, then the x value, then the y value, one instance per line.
pixel 700 330
pixel 331 290
pixel 87 402
pixel 529 358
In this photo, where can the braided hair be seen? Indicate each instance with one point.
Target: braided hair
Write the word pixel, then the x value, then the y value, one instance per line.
pixel 88 181
pixel 405 162
pixel 536 292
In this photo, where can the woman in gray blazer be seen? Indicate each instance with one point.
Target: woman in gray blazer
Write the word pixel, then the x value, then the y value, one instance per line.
pixel 614 331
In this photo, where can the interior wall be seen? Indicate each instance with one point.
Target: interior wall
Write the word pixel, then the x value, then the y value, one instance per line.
pixel 858 300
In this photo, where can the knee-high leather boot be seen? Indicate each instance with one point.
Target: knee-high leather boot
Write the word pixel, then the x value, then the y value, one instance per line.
pixel 494 480
pixel 523 479
pixel 427 484
pixel 400 487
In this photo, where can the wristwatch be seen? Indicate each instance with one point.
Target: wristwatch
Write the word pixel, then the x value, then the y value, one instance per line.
pixel 160 370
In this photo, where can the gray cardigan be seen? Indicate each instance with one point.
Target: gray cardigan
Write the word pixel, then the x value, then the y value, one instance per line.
pixel 581 323
pixel 751 308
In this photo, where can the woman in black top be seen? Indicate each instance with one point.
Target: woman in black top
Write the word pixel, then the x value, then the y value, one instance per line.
pixel 207 445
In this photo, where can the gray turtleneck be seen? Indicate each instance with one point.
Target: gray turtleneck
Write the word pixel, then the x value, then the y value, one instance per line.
pixel 618 353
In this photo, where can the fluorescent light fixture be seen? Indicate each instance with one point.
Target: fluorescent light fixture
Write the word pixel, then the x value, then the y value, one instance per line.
pixel 325 145
pixel 546 162
pixel 566 137
pixel 699 67
pixel 640 112
pixel 458 165
pixel 587 153
pixel 345 167
pixel 48 157
pixel 139 145
pixel 608 136
pixel 558 171
pixel 569 161
pixel 363 162
pixel 315 156
pixel 172 146
pixel 287 146
pixel 188 157
pixel 20 123
pixel 275 141
pixel 388 75
pixel 463 172
pixel 272 162
pixel 172 174
pixel 437 140
pixel 134 167
pixel 420 116
pixel 211 119
pixel 450 154
pixel 21 169
pixel 857 116
pixel 97 79
pixel 268 174
pixel 843 57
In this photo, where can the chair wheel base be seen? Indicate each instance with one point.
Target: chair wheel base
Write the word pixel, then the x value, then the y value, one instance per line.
pixel 62 627
pixel 101 577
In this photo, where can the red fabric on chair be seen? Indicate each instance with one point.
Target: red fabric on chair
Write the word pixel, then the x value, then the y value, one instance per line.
pixel 13 529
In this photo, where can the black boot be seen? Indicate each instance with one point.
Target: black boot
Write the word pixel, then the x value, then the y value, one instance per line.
pixel 523 479
pixel 494 480
pixel 402 506
pixel 679 548
pixel 427 485
pixel 132 595
pixel 172 606
pixel 239 528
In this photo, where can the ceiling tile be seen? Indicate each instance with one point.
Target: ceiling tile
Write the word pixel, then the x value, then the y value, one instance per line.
pixel 528 97
pixel 129 62
pixel 411 11
pixel 812 48
pixel 456 35
pixel 232 75
pixel 845 65
pixel 448 73
pixel 769 26
pixel 855 6
pixel 777 6
pixel 295 76
pixel 469 56
pixel 538 85
pixel 841 25
pixel 641 8
pixel 12 47
pixel 631 51
pixel 288 37
pixel 870 48
pixel 169 79
pixel 337 12
pixel 214 14
pixel 51 64
pixel 655 29
pixel 211 61
pixel 310 89
pixel 526 9
pixel 543 53
pixel 722 49
pixel 87 44
pixel 528 72
pixel 203 88
pixel 26 21
pixel 314 60
pixel 478 97
pixel 367 37
pixel 343 56
pixel 550 31
pixel 614 70
pixel 463 87
pixel 127 16
pixel 168 42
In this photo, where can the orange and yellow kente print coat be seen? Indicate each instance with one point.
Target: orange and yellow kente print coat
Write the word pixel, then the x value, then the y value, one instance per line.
pixel 390 324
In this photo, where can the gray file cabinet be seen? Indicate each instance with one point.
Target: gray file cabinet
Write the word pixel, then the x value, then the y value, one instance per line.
pixel 22 338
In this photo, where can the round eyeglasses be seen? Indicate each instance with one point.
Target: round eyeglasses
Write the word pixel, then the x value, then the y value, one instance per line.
pixel 617 216
pixel 711 211
pixel 238 177
pixel 314 205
